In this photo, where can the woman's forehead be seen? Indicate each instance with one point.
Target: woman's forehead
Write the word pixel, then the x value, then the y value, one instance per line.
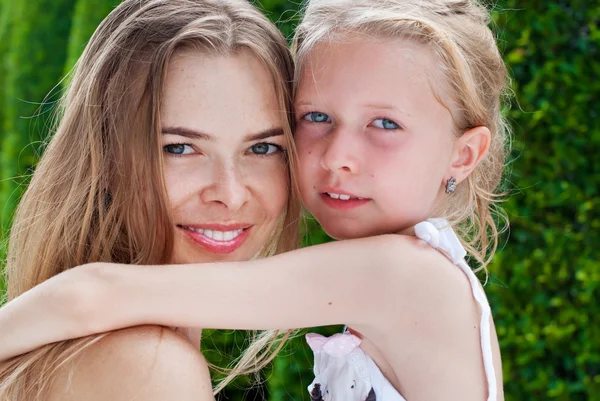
pixel 219 94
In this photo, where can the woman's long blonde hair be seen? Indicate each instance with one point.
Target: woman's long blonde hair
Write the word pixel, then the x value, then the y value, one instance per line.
pixel 472 70
pixel 98 193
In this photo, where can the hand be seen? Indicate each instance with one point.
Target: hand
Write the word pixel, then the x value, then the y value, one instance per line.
pixel 55 310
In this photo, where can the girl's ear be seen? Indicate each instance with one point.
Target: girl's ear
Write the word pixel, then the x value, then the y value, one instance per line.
pixel 469 150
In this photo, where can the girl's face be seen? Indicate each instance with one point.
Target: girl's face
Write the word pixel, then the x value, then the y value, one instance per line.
pixel 225 169
pixel 374 142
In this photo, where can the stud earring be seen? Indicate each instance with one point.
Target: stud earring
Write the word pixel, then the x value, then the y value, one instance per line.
pixel 451 185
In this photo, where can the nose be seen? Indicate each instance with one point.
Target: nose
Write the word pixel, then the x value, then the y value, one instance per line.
pixel 341 155
pixel 227 187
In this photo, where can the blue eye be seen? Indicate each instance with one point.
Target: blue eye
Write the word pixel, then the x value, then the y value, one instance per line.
pixel 317 117
pixel 264 148
pixel 179 149
pixel 386 124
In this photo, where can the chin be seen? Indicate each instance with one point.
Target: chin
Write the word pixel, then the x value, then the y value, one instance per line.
pixel 351 230
pixel 340 231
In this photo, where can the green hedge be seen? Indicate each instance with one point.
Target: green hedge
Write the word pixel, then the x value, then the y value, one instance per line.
pixel 5 25
pixel 5 28
pixel 544 282
pixel 35 54
pixel 86 18
pixel 547 280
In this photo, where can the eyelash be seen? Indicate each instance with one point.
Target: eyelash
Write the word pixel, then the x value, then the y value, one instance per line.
pixel 177 144
pixel 398 126
pixel 304 117
pixel 280 149
pixel 313 113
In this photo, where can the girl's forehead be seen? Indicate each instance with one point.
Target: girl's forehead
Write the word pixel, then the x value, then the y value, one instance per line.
pixel 368 45
pixel 373 57
pixel 374 68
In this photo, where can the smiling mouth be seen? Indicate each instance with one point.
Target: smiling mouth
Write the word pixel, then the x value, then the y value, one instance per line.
pixel 342 196
pixel 217 241
pixel 342 202
pixel 215 235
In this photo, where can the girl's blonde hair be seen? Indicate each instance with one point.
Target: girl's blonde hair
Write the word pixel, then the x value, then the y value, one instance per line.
pixel 98 193
pixel 472 68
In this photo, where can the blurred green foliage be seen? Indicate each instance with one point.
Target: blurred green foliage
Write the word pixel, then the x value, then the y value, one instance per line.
pixel 34 57
pixel 544 283
pixel 86 17
pixel 5 24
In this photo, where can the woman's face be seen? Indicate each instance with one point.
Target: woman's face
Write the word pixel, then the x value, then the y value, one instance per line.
pixel 224 157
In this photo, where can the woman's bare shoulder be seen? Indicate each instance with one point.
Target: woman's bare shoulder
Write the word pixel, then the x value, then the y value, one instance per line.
pixel 145 362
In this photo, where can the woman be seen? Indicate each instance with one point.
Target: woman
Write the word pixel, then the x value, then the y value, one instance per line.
pixel 398 130
pixel 188 102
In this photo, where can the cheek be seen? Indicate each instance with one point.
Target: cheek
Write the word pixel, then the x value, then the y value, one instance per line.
pixel 435 162
pixel 397 171
pixel 183 180
pixel 269 183
pixel 309 137
pixel 304 145
pixel 411 177
pixel 309 172
pixel 310 148
pixel 175 183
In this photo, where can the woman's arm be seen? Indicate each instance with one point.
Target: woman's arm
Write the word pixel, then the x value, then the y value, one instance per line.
pixel 340 282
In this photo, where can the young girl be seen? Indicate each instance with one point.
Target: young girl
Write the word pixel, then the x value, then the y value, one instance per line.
pixel 398 121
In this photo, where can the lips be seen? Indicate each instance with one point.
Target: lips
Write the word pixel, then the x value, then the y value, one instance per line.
pixel 217 238
pixel 342 196
pixel 339 200
pixel 216 235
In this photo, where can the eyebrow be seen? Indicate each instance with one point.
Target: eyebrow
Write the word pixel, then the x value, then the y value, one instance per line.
pixel 369 105
pixel 193 134
pixel 383 107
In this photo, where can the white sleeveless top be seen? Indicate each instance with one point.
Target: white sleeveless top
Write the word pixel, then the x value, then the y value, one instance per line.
pixel 343 371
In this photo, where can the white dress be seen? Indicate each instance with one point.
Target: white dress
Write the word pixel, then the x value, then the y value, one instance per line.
pixel 344 372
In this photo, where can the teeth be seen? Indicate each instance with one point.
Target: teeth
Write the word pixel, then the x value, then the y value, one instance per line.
pixel 229 235
pixel 217 235
pixel 341 196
